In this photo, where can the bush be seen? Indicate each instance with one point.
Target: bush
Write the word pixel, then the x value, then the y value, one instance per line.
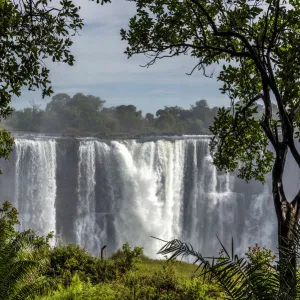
pixel 196 289
pixel 260 255
pixel 126 259
pixel 69 260
pixel 166 279
pixel 66 261
pixel 165 284
pixel 81 290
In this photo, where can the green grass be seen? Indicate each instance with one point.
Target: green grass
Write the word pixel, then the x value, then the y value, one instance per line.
pixel 149 266
pixel 150 280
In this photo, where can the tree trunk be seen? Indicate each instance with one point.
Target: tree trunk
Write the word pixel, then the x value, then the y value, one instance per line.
pixel 287 256
pixel 287 219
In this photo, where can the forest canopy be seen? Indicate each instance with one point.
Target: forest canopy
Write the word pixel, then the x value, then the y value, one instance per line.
pixel 88 114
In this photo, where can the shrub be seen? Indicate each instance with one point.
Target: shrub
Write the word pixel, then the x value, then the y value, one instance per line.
pixel 166 279
pixel 81 290
pixel 127 258
pixel 69 260
pixel 162 284
pixel 260 255
pixel 196 289
pixel 66 261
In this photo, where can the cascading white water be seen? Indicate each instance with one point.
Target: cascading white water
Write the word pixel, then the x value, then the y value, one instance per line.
pixel 85 225
pixel 130 190
pixel 149 207
pixel 261 227
pixel 35 184
pixel 146 191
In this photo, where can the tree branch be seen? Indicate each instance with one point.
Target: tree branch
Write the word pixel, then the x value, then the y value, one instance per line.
pixel 223 33
pixel 275 30
pixel 245 108
pixel 280 201
pixel 294 111
pixel 265 124
pixel 209 18
pixel 159 50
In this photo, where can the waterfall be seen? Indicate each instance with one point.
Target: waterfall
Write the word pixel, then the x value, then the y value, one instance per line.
pixel 260 225
pixel 85 227
pixel 35 184
pixel 150 198
pixel 98 192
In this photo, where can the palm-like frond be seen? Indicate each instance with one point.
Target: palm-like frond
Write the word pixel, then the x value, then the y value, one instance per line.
pixel 238 277
pixel 19 271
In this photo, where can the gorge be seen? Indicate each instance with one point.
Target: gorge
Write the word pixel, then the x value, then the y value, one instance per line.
pixel 101 192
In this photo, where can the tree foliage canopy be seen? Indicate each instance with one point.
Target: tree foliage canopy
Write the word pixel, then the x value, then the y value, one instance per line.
pixel 32 34
pixel 86 114
pixel 257 44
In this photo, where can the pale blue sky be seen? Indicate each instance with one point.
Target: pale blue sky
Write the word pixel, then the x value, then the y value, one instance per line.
pixel 102 69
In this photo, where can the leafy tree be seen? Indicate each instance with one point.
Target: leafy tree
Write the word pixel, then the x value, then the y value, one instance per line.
pixel 87 104
pixel 201 111
pixel 257 43
pixel 31 32
pixel 80 112
pixel 124 111
pixel 58 102
pixel 168 122
pixel 129 118
pixel 149 117
pixel 194 126
pixel 186 114
pixel 170 119
pixel 172 110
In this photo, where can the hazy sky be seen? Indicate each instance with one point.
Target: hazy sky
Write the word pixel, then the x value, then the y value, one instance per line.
pixel 102 69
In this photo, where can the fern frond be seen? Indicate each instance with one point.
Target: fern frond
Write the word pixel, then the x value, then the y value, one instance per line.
pixel 238 278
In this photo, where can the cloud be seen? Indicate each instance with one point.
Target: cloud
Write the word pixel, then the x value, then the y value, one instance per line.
pixel 163 92
pixel 102 68
pixel 113 14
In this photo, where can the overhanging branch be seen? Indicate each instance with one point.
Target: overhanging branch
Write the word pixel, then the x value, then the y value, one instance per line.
pixel 246 107
pixel 231 33
pixel 207 15
pixel 157 51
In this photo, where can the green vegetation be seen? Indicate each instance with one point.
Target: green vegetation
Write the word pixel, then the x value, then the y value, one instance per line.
pixel 257 44
pixel 22 260
pixel 86 114
pixel 162 281
pixel 31 32
pixel 31 269
pixel 254 276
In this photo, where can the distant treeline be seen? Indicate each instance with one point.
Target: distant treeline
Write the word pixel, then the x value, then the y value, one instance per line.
pixel 86 114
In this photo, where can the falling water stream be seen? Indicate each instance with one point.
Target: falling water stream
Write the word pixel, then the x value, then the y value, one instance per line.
pixel 95 192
